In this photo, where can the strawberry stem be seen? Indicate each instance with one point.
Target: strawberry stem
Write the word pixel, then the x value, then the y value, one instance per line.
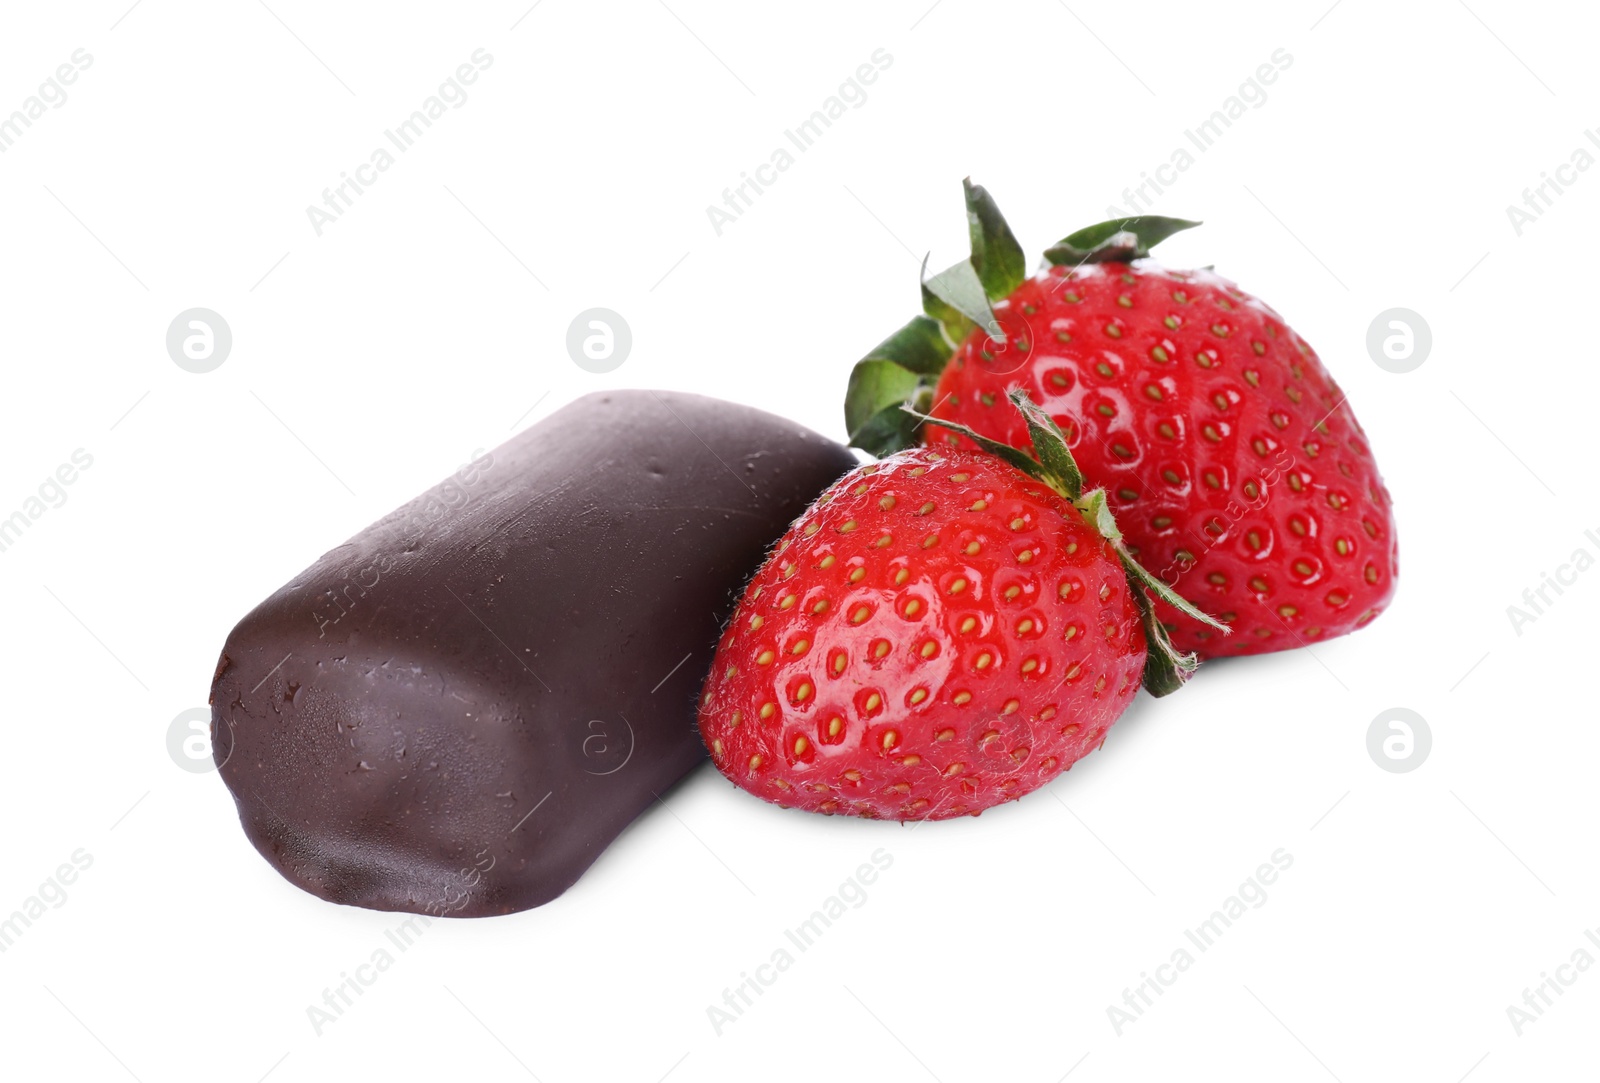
pixel 1165 667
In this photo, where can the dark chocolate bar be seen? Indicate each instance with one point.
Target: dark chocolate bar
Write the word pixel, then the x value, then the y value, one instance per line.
pixel 455 712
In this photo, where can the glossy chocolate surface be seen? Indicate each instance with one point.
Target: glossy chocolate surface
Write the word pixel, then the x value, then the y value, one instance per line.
pixel 455 712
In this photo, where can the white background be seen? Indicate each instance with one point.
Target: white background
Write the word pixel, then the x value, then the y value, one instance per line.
pixel 430 320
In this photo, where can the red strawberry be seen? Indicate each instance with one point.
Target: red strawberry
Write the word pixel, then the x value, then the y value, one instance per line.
pixel 940 632
pixel 1232 460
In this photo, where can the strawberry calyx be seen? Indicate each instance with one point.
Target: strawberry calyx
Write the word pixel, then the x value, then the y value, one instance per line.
pixel 900 370
pixel 903 369
pixel 1115 241
pixel 1166 668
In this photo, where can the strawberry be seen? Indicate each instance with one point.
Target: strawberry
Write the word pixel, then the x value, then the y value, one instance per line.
pixel 1230 457
pixel 940 632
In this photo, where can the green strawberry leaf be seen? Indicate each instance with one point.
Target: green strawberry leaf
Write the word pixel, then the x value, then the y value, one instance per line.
pixel 1097 511
pixel 956 326
pixel 1165 667
pixel 1016 457
pixel 872 414
pixel 1050 445
pixel 996 255
pixel 919 346
pixel 1119 239
pixel 1166 593
pixel 886 432
pixel 960 288
pixel 895 371
pixel 1051 461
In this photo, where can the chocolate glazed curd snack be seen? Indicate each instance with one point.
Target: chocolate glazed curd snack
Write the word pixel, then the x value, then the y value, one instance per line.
pixel 456 711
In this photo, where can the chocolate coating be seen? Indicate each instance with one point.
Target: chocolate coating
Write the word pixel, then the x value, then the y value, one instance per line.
pixel 457 710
